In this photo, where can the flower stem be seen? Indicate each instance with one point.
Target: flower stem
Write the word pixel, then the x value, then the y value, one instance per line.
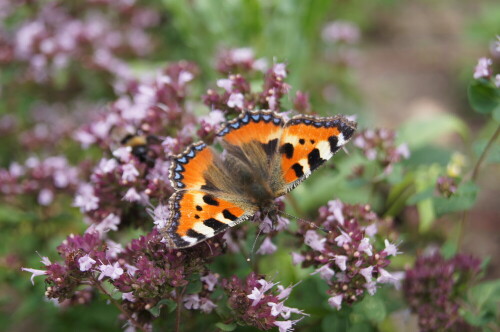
pixel 178 309
pixel 483 155
pixel 123 311
pixel 475 174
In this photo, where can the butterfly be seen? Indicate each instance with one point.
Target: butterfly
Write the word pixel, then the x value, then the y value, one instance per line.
pixel 264 157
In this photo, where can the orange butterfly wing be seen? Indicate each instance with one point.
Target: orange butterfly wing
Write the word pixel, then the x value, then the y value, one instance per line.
pixel 207 200
pixel 307 142
pixel 197 215
pixel 205 203
pixel 187 168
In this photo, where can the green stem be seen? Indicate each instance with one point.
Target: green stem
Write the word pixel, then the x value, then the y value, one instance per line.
pixel 129 317
pixel 483 155
pixel 475 174
pixel 178 310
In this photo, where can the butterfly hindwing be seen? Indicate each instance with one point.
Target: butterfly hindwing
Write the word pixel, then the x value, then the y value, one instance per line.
pixel 197 215
pixel 307 142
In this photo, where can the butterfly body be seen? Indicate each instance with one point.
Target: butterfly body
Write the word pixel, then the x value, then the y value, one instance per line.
pixel 264 158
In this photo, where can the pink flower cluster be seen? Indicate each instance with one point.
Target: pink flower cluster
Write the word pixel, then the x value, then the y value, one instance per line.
pixel 341 32
pixel 126 182
pixel 98 37
pixel 235 94
pixel 42 179
pixel 435 287
pixel 144 272
pixel 260 303
pixel 483 70
pixel 379 145
pixel 346 257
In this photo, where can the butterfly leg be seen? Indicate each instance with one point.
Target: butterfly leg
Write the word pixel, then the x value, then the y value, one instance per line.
pixel 273 215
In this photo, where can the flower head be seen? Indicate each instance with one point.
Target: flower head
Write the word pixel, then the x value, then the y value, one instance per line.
pixel 483 68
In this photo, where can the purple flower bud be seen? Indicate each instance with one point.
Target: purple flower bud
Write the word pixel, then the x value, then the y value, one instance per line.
pixel 129 297
pixel 267 247
pixel 35 273
pixel 210 280
pixel 192 301
pixel 85 263
pixel 341 260
pixel 483 68
pixel 86 199
pixel 297 258
pixel 325 272
pixel 236 100
pixel 112 271
pixel 207 306
pixel 367 273
pixel 335 301
pixel 313 240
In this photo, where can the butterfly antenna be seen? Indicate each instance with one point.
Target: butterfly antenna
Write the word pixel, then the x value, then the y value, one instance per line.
pixel 253 246
pixel 209 247
pixel 304 221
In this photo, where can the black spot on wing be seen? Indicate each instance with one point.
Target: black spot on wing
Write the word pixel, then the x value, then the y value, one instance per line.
pixel 287 150
pixel 228 215
pixel 270 147
pixel 195 234
pixel 314 159
pixel 179 242
pixel 302 141
pixel 216 225
pixel 210 200
pixel 198 208
pixel 299 170
pixel 333 140
pixel 346 130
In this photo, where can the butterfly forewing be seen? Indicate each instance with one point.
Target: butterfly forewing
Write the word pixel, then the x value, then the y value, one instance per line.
pixel 307 142
pixel 262 126
pixel 187 168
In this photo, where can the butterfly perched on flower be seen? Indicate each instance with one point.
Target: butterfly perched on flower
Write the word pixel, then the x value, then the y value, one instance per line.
pixel 264 158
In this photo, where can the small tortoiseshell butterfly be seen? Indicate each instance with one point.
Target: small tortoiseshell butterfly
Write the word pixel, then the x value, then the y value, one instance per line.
pixel 265 157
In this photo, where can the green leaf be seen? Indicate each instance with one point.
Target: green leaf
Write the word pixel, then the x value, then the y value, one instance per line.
pixel 496 114
pixel 372 308
pixel 449 249
pixel 226 327
pixel 463 199
pixel 194 287
pixel 420 196
pixel 425 178
pixel 420 132
pixel 170 304
pixel 12 215
pixel 484 97
pixel 484 298
pixel 335 322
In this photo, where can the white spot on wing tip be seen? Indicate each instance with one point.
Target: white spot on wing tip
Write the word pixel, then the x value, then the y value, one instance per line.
pixel 341 140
